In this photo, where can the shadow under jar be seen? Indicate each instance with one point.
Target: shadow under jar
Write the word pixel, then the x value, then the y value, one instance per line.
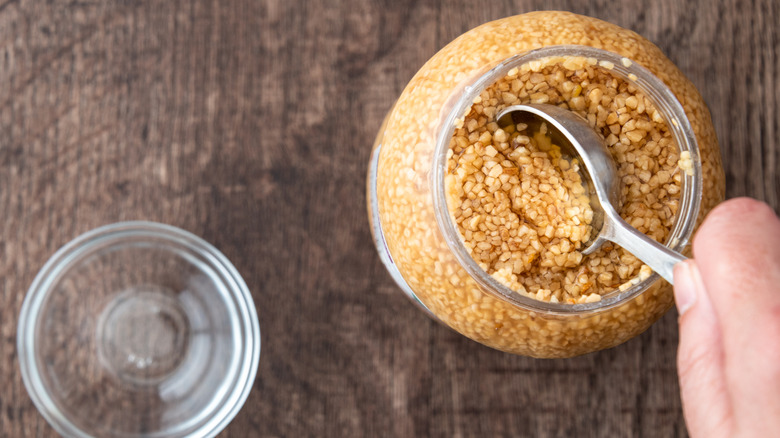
pixel 657 128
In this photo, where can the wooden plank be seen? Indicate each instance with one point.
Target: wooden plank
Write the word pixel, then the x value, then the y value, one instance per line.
pixel 249 123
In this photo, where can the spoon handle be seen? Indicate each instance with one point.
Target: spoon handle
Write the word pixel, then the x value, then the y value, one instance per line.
pixel 658 257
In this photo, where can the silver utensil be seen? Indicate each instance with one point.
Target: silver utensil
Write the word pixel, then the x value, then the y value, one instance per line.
pixel 573 134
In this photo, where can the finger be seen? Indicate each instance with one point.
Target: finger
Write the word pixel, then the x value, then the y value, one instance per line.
pixel 737 251
pixel 706 401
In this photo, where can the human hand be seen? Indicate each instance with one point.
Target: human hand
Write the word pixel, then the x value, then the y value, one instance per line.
pixel 728 297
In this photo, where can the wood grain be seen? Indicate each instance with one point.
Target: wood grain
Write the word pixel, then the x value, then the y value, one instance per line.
pixel 249 123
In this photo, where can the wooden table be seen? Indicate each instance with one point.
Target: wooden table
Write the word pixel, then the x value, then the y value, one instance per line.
pixel 249 124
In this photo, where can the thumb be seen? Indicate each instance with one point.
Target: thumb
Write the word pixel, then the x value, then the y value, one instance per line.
pixel 700 357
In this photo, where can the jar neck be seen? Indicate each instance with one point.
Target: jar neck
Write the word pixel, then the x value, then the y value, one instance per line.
pixel 673 115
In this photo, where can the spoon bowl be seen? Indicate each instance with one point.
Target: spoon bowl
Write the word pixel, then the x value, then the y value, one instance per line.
pixel 577 139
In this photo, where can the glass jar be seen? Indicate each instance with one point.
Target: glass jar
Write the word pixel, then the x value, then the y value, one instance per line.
pixel 416 235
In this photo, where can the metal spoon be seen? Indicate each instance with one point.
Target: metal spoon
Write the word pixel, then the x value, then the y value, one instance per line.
pixel 571 131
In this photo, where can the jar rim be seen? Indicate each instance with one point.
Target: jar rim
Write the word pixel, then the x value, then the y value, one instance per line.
pixel 671 111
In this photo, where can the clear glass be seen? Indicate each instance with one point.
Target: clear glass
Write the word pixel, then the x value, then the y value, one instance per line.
pixel 675 118
pixel 138 329
pixel 414 232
